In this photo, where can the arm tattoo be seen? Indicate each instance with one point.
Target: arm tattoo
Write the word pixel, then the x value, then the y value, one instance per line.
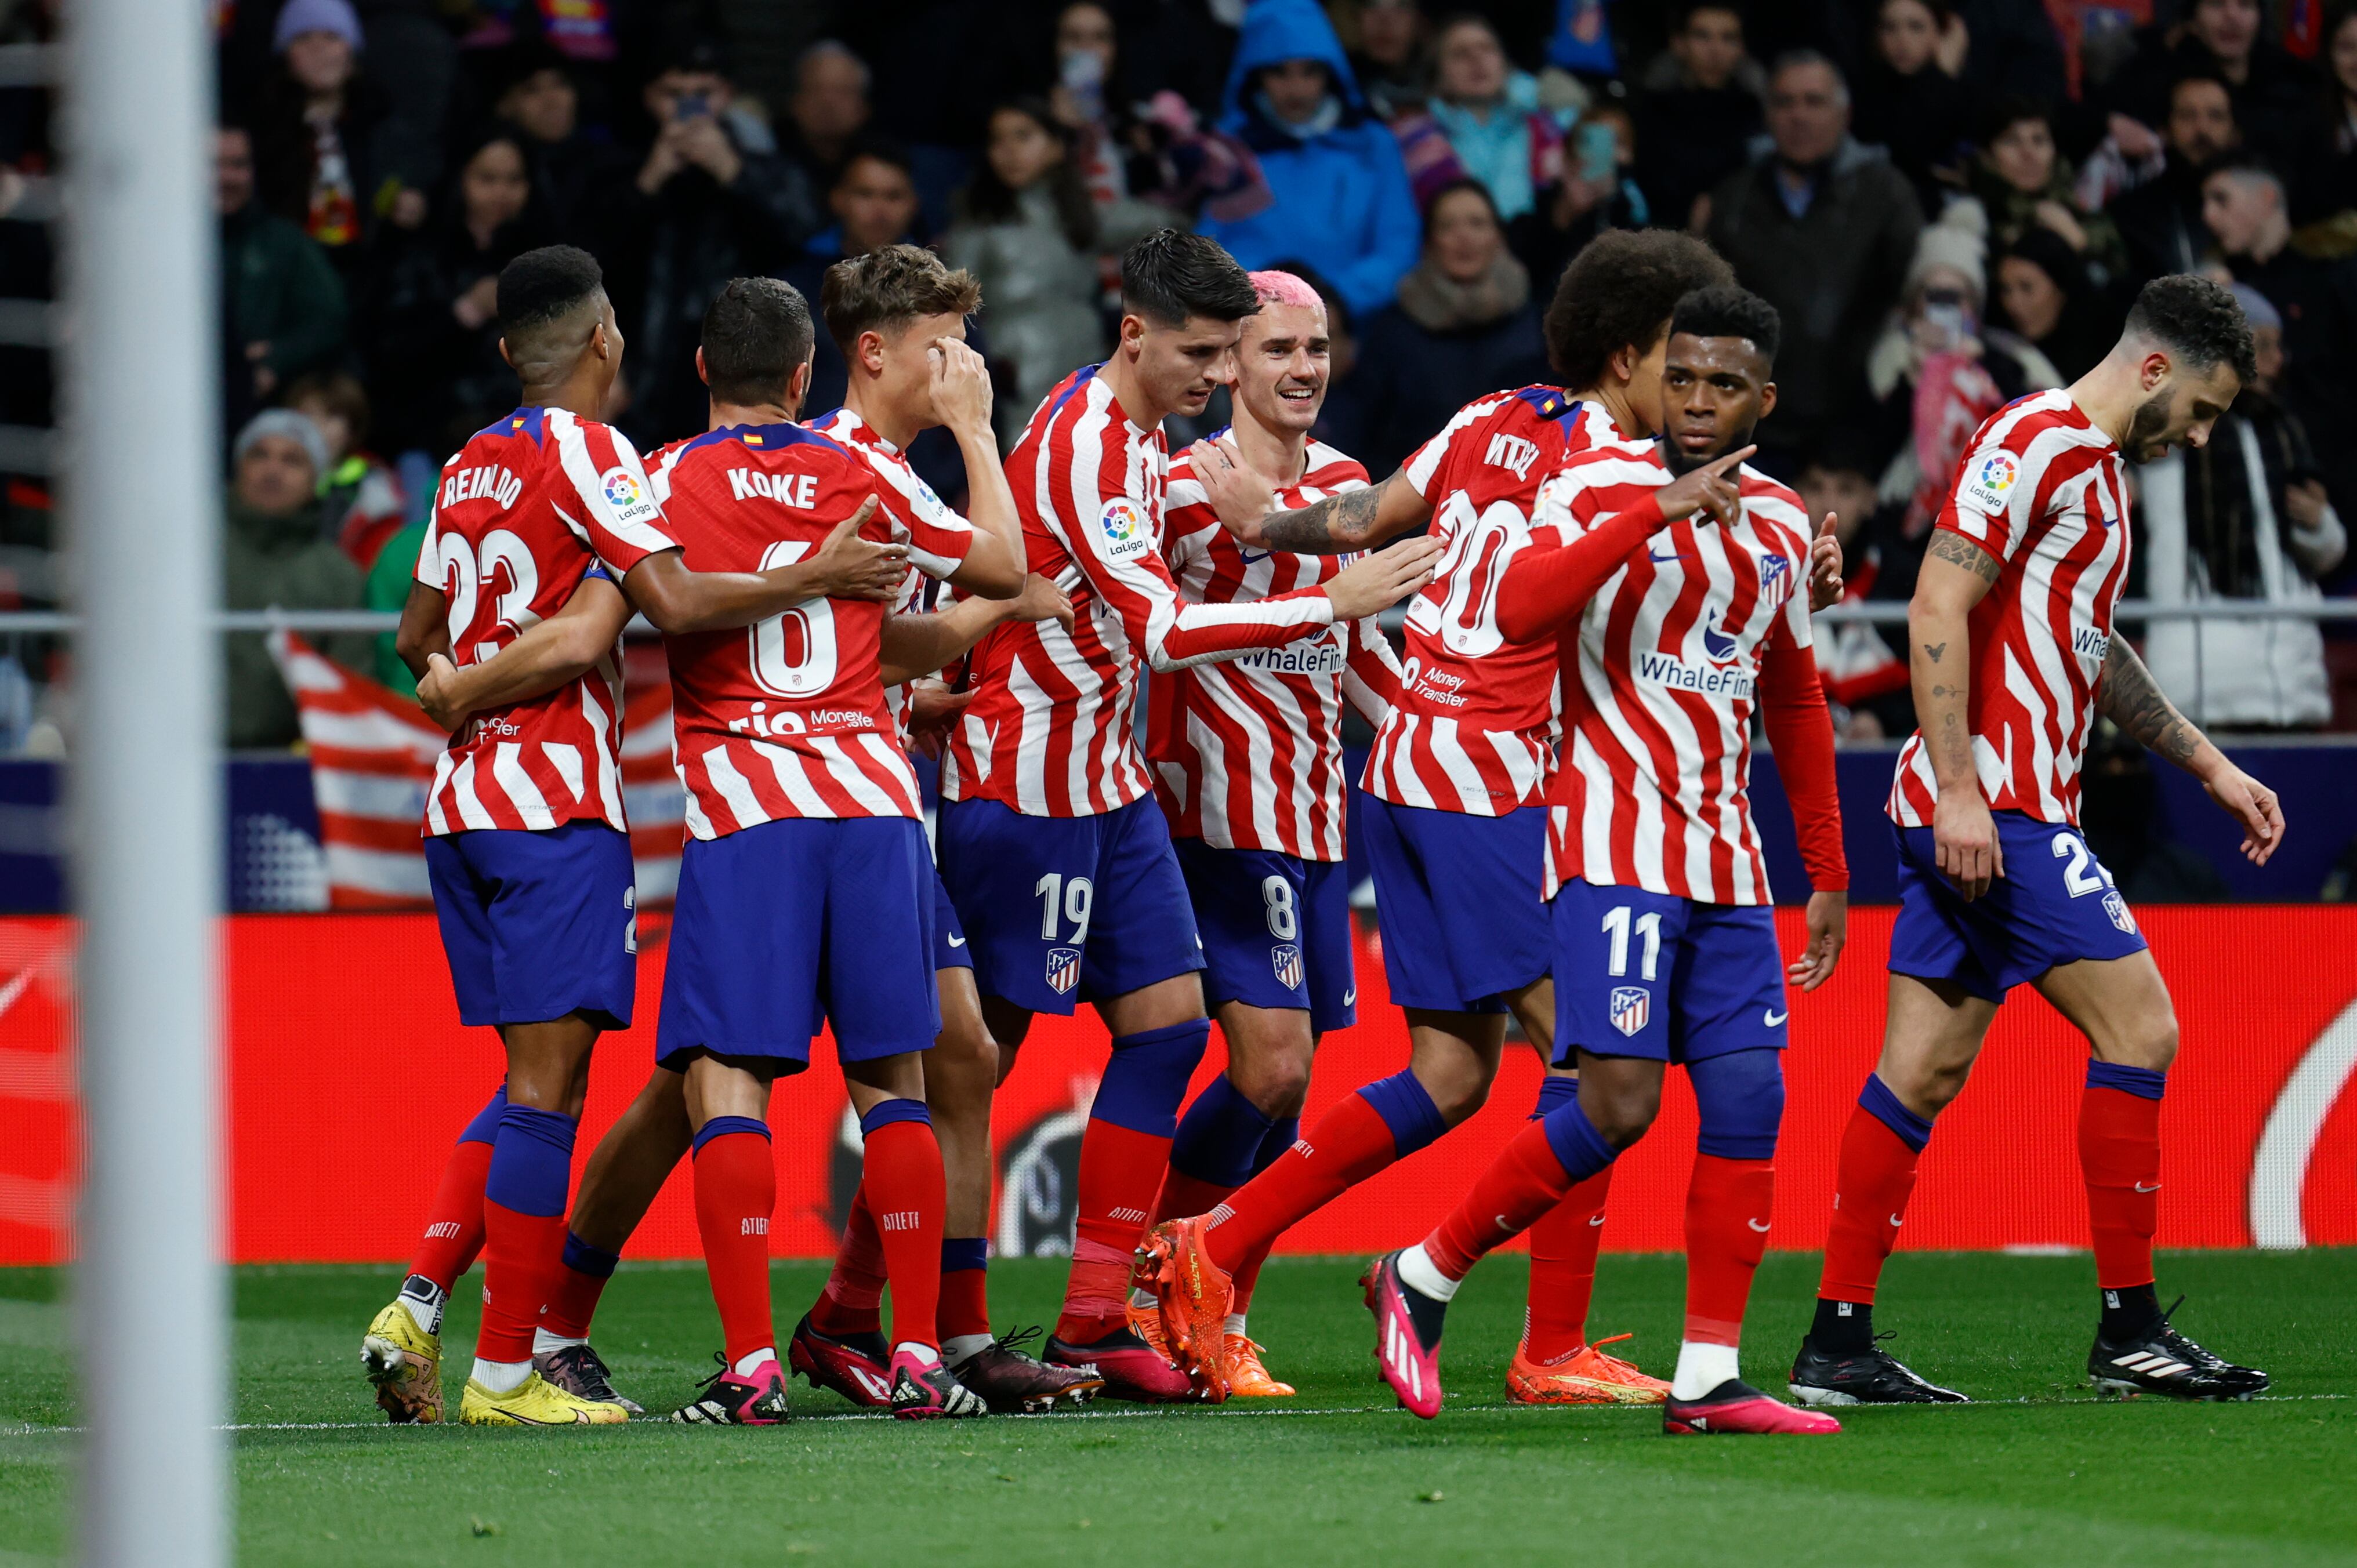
pixel 1329 527
pixel 2131 698
pixel 1935 649
pixel 1958 550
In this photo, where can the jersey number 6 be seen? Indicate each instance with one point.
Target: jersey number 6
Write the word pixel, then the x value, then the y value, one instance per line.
pixel 794 652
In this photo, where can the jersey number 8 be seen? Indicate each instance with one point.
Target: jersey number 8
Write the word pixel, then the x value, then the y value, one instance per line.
pixel 794 652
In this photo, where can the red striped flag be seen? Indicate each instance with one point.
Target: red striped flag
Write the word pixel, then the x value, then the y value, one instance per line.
pixel 372 756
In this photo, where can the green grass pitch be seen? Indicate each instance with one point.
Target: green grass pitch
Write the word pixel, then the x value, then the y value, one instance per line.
pixel 2040 1472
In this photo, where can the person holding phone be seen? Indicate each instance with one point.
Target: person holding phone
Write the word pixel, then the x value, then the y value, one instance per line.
pixel 1596 190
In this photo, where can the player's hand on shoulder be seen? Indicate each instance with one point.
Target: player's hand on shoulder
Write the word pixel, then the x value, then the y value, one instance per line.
pixel 960 384
pixel 1040 600
pixel 439 694
pixel 1965 841
pixel 1828 923
pixel 1239 496
pixel 1382 578
pixel 1713 490
pixel 2251 803
pixel 850 567
pixel 1824 566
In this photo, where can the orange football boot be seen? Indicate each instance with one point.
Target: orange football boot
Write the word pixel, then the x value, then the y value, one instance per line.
pixel 1192 1293
pixel 1247 1378
pixel 1586 1376
pixel 1146 1322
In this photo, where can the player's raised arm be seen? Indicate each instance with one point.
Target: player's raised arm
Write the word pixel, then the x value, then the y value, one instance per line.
pixel 1957 574
pixel 993 568
pixel 845 566
pixel 917 645
pixel 548 654
pixel 1541 588
pixel 2130 698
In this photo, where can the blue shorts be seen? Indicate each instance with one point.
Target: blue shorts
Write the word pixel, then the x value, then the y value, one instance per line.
pixel 538 925
pixel 1276 929
pixel 2054 905
pixel 950 950
pixel 1458 894
pixel 1654 975
pixel 808 919
pixel 1060 911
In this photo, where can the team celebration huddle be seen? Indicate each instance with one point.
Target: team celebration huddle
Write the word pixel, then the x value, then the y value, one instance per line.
pixel 1600 597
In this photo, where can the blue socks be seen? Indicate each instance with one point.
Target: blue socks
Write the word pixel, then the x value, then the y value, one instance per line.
pixel 1741 1098
pixel 1220 1140
pixel 1407 1109
pixel 1146 1078
pixel 1876 1101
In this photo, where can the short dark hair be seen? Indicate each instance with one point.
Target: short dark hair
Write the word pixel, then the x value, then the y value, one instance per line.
pixel 2197 320
pixel 1682 15
pixel 879 151
pixel 885 290
pixel 755 334
pixel 1725 310
pixel 545 285
pixel 1457 187
pixel 1172 274
pixel 2198 74
pixel 1620 293
pixel 2011 110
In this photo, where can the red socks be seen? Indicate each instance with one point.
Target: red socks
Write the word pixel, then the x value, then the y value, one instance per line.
pixel 1564 1241
pixel 1729 1204
pixel 1182 1196
pixel 519 1271
pixel 1349 1144
pixel 736 1188
pixel 903 1184
pixel 1871 1187
pixel 454 1226
pixel 1121 1171
pixel 1522 1183
pixel 2119 1154
pixel 855 1288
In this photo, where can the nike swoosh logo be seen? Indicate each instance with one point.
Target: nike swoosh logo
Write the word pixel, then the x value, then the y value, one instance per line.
pixel 2154 1188
pixel 1657 555
pixel 1894 1223
pixel 957 941
pixel 1249 557
pixel 1351 997
pixel 1774 1018
pixel 1757 1226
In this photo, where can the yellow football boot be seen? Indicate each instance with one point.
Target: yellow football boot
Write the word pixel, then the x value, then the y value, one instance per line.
pixel 1586 1376
pixel 405 1361
pixel 1247 1378
pixel 536 1401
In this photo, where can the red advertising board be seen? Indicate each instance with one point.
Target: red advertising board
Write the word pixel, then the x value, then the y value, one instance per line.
pixel 347 1075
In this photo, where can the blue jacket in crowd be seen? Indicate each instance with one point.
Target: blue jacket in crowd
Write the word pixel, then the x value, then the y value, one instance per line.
pixel 1342 201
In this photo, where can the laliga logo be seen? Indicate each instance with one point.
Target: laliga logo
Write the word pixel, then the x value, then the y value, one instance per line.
pixel 622 488
pixel 1998 470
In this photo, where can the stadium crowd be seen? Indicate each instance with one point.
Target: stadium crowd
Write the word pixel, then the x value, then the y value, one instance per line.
pixel 1950 204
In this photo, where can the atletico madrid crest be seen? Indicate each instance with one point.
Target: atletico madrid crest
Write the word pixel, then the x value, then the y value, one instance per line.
pixel 1632 1006
pixel 1286 959
pixel 1063 969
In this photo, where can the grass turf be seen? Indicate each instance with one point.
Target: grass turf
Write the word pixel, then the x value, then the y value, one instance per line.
pixel 2039 1470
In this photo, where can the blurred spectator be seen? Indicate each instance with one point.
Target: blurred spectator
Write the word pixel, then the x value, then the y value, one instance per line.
pixel 1865 665
pixel 2044 295
pixel 2022 182
pixel 576 178
pixel 1464 324
pixel 434 337
pixel 2160 221
pixel 1084 94
pixel 1389 61
pixel 316 129
pixel 2327 186
pixel 361 504
pixel 2120 812
pixel 274 556
pixel 2316 297
pixel 1157 149
pixel 1692 130
pixel 1824 229
pixel 2012 49
pixel 2243 517
pixel 1597 190
pixel 713 200
pixel 387 589
pixel 875 204
pixel 1340 188
pixel 1028 232
pixel 283 304
pixel 1491 114
pixel 826 113
pixel 1910 96
pixel 1938 370
pixel 2274 102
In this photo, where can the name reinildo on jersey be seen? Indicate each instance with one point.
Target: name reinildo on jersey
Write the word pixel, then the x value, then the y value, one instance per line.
pixel 492 482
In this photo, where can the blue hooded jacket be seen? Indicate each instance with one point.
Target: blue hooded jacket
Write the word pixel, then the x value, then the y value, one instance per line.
pixel 1342 203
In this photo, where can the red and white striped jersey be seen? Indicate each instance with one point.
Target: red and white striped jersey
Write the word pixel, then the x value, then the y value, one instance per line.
pixel 1052 731
pixel 1474 730
pixel 1248 753
pixel 2046 494
pixel 786 718
pixel 524 510
pixel 893 470
pixel 1659 682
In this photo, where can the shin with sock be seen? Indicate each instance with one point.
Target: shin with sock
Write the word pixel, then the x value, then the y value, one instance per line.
pixel 1564 1243
pixel 524 1233
pixel 1123 1153
pixel 905 1191
pixel 1545 1161
pixel 1875 1177
pixel 2119 1155
pixel 1383 1124
pixel 453 1236
pixel 736 1189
